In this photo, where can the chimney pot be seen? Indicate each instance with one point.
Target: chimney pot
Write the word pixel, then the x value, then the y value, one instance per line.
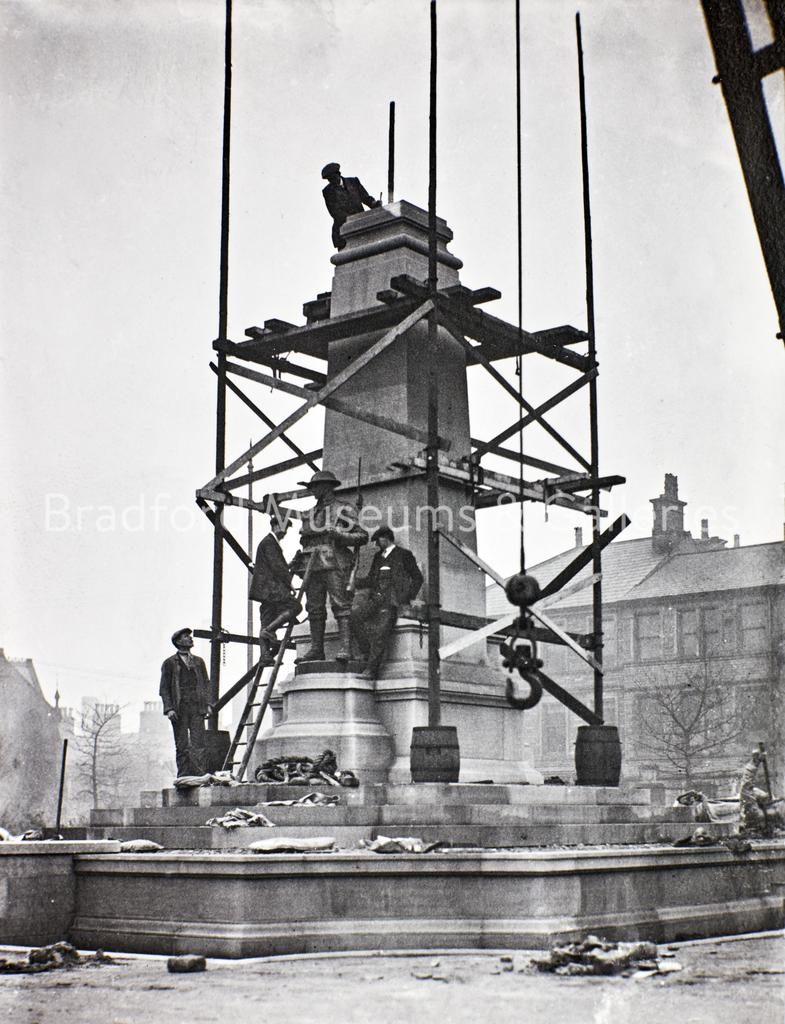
pixel 578 537
pixel 704 529
pixel 736 540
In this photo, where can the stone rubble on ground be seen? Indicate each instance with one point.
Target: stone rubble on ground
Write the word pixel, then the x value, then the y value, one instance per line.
pixel 594 956
pixel 49 958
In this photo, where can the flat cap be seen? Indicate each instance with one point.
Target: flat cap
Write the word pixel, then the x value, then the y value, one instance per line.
pixel 329 169
pixel 179 633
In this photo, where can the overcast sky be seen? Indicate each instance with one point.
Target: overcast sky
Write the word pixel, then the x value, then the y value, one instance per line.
pixel 111 125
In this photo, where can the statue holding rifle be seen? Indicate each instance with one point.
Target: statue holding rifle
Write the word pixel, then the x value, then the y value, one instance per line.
pixel 330 534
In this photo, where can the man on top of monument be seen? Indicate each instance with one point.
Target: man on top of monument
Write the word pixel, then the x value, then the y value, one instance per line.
pixel 329 534
pixel 343 197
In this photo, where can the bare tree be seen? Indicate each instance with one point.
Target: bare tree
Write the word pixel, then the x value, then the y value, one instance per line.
pixel 694 717
pixel 102 753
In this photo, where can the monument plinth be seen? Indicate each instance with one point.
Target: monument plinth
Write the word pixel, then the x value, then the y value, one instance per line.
pixel 324 704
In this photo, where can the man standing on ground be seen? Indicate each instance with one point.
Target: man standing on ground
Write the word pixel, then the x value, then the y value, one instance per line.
pixel 271 585
pixel 394 579
pixel 185 692
pixel 343 197
pixel 329 534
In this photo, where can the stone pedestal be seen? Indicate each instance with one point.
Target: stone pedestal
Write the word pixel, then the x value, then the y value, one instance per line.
pixel 370 727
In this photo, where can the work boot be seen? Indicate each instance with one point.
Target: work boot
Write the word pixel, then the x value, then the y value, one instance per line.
pixel 266 648
pixel 371 670
pixel 316 651
pixel 344 652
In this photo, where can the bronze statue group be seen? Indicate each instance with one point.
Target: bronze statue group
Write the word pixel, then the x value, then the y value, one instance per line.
pixel 365 609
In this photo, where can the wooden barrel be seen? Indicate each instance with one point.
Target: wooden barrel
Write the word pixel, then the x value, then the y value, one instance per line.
pixel 216 747
pixel 598 755
pixel 434 754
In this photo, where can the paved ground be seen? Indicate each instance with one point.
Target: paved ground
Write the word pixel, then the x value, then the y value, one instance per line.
pixel 739 980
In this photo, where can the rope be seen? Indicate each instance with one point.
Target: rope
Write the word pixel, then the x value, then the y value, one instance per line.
pixel 519 357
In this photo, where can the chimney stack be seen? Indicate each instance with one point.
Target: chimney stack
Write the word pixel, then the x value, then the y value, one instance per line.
pixel 736 540
pixel 668 526
pixel 704 529
pixel 578 537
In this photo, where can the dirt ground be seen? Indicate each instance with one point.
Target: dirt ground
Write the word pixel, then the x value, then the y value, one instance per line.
pixel 740 980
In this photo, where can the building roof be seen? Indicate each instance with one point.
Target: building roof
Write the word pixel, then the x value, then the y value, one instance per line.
pixel 700 572
pixel 633 570
pixel 625 563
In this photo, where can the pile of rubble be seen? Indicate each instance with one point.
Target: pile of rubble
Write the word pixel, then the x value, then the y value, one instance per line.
pixel 299 770
pixel 598 956
pixel 50 958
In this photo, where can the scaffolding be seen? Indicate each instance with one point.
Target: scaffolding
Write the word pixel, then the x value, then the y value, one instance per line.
pixel 574 483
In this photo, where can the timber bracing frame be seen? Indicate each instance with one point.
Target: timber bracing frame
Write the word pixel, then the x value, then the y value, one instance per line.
pixel 486 341
pixel 740 73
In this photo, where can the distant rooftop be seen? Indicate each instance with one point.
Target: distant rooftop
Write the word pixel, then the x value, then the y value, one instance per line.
pixel 669 563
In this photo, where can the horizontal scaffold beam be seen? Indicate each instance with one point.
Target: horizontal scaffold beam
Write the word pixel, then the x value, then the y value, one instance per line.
pixel 316 397
pixel 462 620
pixel 496 338
pixel 551 492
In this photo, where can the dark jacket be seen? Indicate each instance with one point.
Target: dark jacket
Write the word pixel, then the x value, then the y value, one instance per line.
pixel 271 579
pixel 170 682
pixel 343 200
pixel 397 578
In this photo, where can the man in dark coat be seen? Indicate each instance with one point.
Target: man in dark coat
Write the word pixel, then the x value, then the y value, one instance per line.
pixel 343 197
pixel 394 579
pixel 271 585
pixel 185 692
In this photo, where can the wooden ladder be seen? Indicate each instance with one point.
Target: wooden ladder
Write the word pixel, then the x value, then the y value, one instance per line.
pixel 254 710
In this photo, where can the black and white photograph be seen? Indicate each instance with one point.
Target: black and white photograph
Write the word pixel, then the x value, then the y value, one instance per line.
pixel 393 511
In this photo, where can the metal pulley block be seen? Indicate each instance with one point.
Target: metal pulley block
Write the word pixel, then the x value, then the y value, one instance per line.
pixel 522 590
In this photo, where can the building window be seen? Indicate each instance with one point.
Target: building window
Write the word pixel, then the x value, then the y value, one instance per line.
pixel 719 630
pixel 610 710
pixel 754 626
pixel 648 636
pixel 687 633
pixel 609 658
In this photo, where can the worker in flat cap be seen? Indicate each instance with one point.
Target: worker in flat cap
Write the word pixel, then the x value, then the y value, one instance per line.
pixel 330 533
pixel 343 197
pixel 185 692
pixel 271 585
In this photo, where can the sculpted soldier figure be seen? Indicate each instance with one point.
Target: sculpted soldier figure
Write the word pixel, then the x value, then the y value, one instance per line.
pixel 753 801
pixel 185 692
pixel 330 533
pixel 343 197
pixel 394 579
pixel 271 585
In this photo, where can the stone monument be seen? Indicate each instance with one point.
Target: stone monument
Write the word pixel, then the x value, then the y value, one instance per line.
pixel 324 704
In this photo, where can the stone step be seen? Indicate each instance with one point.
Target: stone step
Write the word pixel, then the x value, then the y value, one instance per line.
pixel 400 814
pixel 185 837
pixel 250 794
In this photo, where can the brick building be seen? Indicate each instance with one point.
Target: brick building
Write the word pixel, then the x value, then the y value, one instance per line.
pixel 694 655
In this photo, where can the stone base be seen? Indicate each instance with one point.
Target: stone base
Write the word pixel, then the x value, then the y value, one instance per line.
pixel 369 725
pixel 326 706
pixel 238 905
